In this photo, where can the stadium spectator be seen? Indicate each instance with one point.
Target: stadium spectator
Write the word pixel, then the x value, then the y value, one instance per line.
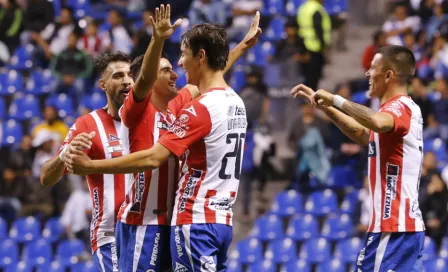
pixel 256 99
pixel 13 192
pixel 76 214
pixel 207 11
pixel 438 118
pixel 379 40
pixel 420 97
pixel 291 54
pixel 72 66
pixel 399 24
pixel 11 24
pixel 53 123
pixel 92 42
pixel 410 42
pixel 429 167
pixel 242 14
pixel 425 10
pixel 39 14
pixel 315 29
pixel 434 209
pixel 23 157
pixel 118 37
pixel 142 36
pixel 439 16
pixel 44 142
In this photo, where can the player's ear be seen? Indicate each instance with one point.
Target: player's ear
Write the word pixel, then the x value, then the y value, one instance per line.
pixel 102 84
pixel 202 55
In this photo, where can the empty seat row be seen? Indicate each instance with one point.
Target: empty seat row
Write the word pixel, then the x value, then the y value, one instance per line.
pixel 28 229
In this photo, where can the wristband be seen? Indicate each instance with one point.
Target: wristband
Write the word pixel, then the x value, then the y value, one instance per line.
pixel 62 154
pixel 338 101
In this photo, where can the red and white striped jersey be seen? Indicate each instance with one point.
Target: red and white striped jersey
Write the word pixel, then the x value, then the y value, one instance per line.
pixel 149 195
pixel 212 128
pixel 395 162
pixel 106 190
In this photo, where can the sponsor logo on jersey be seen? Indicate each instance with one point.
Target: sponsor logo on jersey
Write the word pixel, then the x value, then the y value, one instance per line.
pixel 180 253
pixel 415 212
pixel 177 130
pixel 191 110
pixel 372 149
pixel 239 111
pixel 139 189
pixel 95 213
pixel 395 108
pixel 162 125
pixel 114 256
pixel 391 188
pixel 222 204
pixel 189 188
pixel 180 268
pixel 207 263
pixel 155 249
pixel 184 118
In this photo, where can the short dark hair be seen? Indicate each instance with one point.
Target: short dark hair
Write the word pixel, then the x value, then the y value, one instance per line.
pixel 213 40
pixel 377 35
pixel 136 65
pixel 399 59
pixel 102 61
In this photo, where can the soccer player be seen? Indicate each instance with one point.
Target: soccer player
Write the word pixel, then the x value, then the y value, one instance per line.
pixel 396 235
pixel 210 130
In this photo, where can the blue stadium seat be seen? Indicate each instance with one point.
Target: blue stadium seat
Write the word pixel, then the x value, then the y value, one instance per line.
pixel 444 248
pixel 177 35
pixel 232 266
pixel 3 229
pixel 69 120
pixel 333 265
pixel 238 80
pixel 25 229
pixel 262 266
pixel 438 265
pixel 273 7
pixel 37 252
pixel 303 227
pixel 9 253
pixel 248 251
pixel 316 250
pixel 298 265
pixel 53 230
pixel 22 58
pixel 105 27
pixel 269 227
pixel 54 266
pixel 68 249
pixel 292 6
pixel 2 108
pixel 281 251
pixel 360 97
pixel 95 100
pixel 81 8
pixel 23 108
pixel 322 202
pixel 12 132
pixel 348 250
pixel 275 30
pixel 258 54
pixel 337 227
pixel 182 79
pixel 429 252
pixel 341 176
pixel 334 7
pixel 40 82
pixel 63 103
pixel 437 146
pixel 22 267
pixel 350 202
pixel 10 82
pixel 83 267
pixel 288 203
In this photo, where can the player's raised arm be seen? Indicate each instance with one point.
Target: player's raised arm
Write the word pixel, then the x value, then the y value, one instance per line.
pixel 162 30
pixel 79 163
pixel 349 126
pixel 248 42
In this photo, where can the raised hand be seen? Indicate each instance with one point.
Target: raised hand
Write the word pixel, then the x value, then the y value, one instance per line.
pixel 254 32
pixel 321 98
pixel 162 28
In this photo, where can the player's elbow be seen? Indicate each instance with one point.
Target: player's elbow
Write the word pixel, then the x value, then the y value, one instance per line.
pixel 381 125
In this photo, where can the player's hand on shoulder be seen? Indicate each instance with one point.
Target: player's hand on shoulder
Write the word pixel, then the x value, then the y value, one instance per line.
pixel 162 28
pixel 194 90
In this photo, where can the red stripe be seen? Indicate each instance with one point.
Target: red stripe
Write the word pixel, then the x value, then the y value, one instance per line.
pixel 410 222
pixel 372 184
pixel 228 216
pixel 163 194
pixel 210 215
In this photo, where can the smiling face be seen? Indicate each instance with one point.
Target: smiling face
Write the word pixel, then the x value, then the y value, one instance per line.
pixel 117 81
pixel 376 75
pixel 166 79
pixel 190 64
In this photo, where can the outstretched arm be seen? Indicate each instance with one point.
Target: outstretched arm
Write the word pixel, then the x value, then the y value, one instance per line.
pixel 78 163
pixel 162 30
pixel 376 121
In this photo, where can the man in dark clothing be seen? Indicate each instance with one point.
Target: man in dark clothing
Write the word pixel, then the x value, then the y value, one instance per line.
pixel 38 14
pixel 11 23
pixel 420 97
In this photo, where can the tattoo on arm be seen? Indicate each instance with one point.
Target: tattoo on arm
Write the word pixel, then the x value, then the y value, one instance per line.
pixel 348 125
pixel 362 114
pixel 342 124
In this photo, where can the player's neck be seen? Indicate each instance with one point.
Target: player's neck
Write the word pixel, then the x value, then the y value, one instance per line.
pixel 160 102
pixel 112 110
pixel 211 79
pixel 395 90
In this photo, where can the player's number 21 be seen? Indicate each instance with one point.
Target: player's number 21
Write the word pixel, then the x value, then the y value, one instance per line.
pixel 238 139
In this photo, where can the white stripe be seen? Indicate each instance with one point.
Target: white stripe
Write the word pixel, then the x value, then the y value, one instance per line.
pixel 403 191
pixel 128 178
pixel 100 259
pixel 139 239
pixel 378 185
pixel 381 250
pixel 186 233
pixel 108 181
pixel 171 181
pixel 177 199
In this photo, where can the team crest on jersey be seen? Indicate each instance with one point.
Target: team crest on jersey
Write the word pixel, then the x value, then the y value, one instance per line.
pixel 139 189
pixel 390 194
pixel 113 138
pixel 184 118
pixel 191 110
pixel 372 149
pixel 114 146
pixel 189 188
